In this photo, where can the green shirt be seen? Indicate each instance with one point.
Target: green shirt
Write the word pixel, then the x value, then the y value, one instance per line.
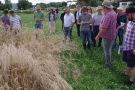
pixel 38 15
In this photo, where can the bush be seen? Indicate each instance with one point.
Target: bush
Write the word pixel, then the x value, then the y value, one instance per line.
pixel 25 11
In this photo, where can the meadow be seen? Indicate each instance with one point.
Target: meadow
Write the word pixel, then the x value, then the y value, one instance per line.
pixel 82 69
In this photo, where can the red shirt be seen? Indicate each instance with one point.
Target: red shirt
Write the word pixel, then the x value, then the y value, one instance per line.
pixel 108 22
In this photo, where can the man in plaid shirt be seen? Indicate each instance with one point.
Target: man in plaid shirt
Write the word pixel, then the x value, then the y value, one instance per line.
pixel 107 29
pixel 129 45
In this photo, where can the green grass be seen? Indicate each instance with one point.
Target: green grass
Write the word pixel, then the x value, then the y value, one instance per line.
pixel 94 75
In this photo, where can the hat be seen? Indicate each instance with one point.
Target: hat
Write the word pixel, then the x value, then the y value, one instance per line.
pixel 38 7
pixel 130 9
pixel 107 4
pixel 11 11
pixel 99 7
pixel 120 8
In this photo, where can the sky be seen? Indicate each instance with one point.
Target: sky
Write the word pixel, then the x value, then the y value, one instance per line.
pixel 36 1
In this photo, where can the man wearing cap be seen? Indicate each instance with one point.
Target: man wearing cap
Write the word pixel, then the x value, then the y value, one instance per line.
pixel 38 17
pixel 107 30
pixel 5 20
pixel 123 21
pixel 15 22
pixel 96 22
pixel 129 45
pixel 77 13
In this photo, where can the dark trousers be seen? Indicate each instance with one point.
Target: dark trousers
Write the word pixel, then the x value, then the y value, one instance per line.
pixel 78 29
pixel 86 35
pixel 96 31
pixel 92 34
pixel 120 35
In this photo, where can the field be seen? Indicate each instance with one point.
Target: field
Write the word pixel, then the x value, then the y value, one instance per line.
pixel 83 70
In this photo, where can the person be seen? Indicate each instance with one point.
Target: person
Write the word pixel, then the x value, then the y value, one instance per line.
pixel 62 18
pixel 69 21
pixel 129 45
pixel 52 17
pixel 90 11
pixel 4 20
pixel 77 13
pixel 84 20
pixel 38 18
pixel 96 22
pixel 57 12
pixel 117 28
pixel 107 30
pixel 15 22
pixel 123 21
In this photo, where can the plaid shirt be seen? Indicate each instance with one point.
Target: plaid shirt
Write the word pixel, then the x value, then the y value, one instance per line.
pixel 108 22
pixel 129 40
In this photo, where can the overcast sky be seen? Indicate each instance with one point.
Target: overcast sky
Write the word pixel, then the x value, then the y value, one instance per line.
pixel 36 1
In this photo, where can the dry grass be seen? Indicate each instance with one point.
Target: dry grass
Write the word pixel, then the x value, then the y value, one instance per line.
pixel 30 64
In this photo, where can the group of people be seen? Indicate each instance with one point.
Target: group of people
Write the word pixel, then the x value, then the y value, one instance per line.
pixel 106 24
pixel 10 23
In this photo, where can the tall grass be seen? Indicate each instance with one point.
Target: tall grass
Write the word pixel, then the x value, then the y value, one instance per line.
pixel 27 63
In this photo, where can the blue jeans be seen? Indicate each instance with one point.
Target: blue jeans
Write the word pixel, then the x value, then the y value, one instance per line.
pixel 107 50
pixel 38 26
pixel 86 34
pixel 68 32
pixel 120 35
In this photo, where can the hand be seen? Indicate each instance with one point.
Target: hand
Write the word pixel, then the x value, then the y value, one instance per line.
pixel 97 38
pixel 82 22
pixel 134 52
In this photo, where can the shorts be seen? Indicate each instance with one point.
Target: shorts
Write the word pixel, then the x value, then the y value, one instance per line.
pixel 38 26
pixel 129 58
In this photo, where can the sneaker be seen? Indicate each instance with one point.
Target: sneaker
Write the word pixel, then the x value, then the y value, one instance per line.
pixel 129 83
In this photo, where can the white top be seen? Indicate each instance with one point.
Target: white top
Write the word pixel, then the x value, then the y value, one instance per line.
pixel 68 19
pixel 78 13
pixel 15 21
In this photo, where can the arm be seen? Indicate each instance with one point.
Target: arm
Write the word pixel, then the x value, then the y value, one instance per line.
pixel 73 21
pixel 102 31
pixel 1 23
pixel 20 23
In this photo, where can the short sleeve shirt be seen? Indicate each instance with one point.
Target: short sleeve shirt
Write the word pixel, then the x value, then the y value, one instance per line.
pixel 108 22
pixel 15 21
pixel 5 20
pixel 84 18
pixel 38 15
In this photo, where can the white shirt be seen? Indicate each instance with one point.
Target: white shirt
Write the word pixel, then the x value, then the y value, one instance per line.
pixel 68 19
pixel 78 13
pixel 15 21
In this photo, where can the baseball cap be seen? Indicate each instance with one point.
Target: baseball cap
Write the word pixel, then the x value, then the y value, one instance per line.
pixel 11 11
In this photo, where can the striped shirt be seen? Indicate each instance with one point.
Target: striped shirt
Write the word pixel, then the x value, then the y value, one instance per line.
pixel 108 22
pixel 15 21
pixel 129 39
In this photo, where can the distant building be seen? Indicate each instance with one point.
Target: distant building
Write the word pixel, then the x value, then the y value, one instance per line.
pixel 71 2
pixel 14 6
pixel 125 3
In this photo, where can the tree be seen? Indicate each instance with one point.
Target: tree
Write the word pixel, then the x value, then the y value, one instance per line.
pixel 64 4
pixel 23 4
pixel 132 4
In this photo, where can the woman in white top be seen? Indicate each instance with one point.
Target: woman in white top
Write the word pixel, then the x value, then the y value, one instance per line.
pixel 52 17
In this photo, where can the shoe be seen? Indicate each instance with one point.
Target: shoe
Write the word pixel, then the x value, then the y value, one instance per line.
pixel 129 83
